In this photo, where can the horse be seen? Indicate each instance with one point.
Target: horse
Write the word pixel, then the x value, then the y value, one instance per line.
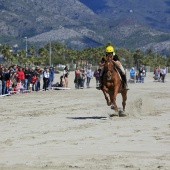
pixel 112 85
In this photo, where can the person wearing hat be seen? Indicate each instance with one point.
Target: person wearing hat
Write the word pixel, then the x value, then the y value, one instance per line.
pixel 111 55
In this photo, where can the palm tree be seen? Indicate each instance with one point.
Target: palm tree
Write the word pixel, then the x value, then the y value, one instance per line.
pixel 32 51
pixel 44 54
pixel 125 57
pixel 72 55
pixel 39 60
pixel 20 56
pixel 6 52
pixel 137 58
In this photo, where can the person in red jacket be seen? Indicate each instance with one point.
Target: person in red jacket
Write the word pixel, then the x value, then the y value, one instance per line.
pixel 33 81
pixel 21 75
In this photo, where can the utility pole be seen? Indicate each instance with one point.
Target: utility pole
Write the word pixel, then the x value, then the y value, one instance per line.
pixel 26 47
pixel 50 53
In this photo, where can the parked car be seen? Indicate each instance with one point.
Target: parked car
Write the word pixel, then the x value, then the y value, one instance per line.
pixel 60 66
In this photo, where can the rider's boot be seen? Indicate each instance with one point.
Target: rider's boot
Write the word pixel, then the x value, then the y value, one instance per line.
pixel 124 81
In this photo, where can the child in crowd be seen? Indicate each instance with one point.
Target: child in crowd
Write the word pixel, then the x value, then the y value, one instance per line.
pixel 33 81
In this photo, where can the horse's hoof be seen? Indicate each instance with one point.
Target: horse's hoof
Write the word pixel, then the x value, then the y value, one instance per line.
pixel 112 107
pixel 109 103
pixel 122 113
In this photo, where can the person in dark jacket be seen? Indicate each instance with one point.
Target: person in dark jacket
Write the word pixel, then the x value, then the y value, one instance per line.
pixel 27 78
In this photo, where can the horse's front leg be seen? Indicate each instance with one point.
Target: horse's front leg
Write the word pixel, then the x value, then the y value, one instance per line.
pixel 114 94
pixel 104 90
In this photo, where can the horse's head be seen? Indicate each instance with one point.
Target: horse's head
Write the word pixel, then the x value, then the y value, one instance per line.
pixel 108 68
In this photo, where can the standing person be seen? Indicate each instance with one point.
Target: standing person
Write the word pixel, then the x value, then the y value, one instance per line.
pixel 140 73
pixel 52 75
pixel 111 56
pixel 51 78
pixel 144 72
pixel 33 81
pixel 65 75
pixel 97 76
pixel 39 79
pixel 163 74
pixel 137 77
pixel 3 80
pixel 132 73
pixel 7 75
pixel 15 68
pixel 89 76
pixel 32 71
pixel 0 85
pixel 21 75
pixel 76 78
pixel 156 72
pixel 79 79
pixel 27 77
pixel 46 76
pixel 83 77
pixel 0 79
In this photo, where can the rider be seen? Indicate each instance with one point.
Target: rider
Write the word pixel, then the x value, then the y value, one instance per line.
pixel 110 55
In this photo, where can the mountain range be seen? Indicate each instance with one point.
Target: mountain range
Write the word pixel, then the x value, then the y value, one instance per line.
pixel 79 24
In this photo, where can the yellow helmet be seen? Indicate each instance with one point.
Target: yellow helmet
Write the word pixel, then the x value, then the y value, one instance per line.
pixel 109 49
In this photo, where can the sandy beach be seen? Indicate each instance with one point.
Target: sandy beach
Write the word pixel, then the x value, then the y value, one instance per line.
pixel 71 129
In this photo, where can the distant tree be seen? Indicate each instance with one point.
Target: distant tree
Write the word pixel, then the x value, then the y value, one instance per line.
pixel 6 52
pixel 32 51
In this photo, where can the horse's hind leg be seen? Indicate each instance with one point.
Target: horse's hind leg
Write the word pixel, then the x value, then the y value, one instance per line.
pixel 124 98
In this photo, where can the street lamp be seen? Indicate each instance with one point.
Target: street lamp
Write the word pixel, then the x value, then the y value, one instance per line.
pixel 25 46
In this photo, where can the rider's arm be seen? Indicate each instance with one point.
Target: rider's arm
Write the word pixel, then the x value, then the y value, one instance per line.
pixel 101 64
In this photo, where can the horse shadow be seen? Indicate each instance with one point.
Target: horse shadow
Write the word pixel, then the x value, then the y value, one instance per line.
pixel 85 118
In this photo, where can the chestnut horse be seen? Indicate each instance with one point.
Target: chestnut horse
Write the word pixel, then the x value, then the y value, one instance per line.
pixel 112 85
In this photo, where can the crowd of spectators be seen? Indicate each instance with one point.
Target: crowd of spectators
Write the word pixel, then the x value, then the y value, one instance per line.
pixel 159 73
pixel 16 78
pixel 82 75
pixel 137 76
